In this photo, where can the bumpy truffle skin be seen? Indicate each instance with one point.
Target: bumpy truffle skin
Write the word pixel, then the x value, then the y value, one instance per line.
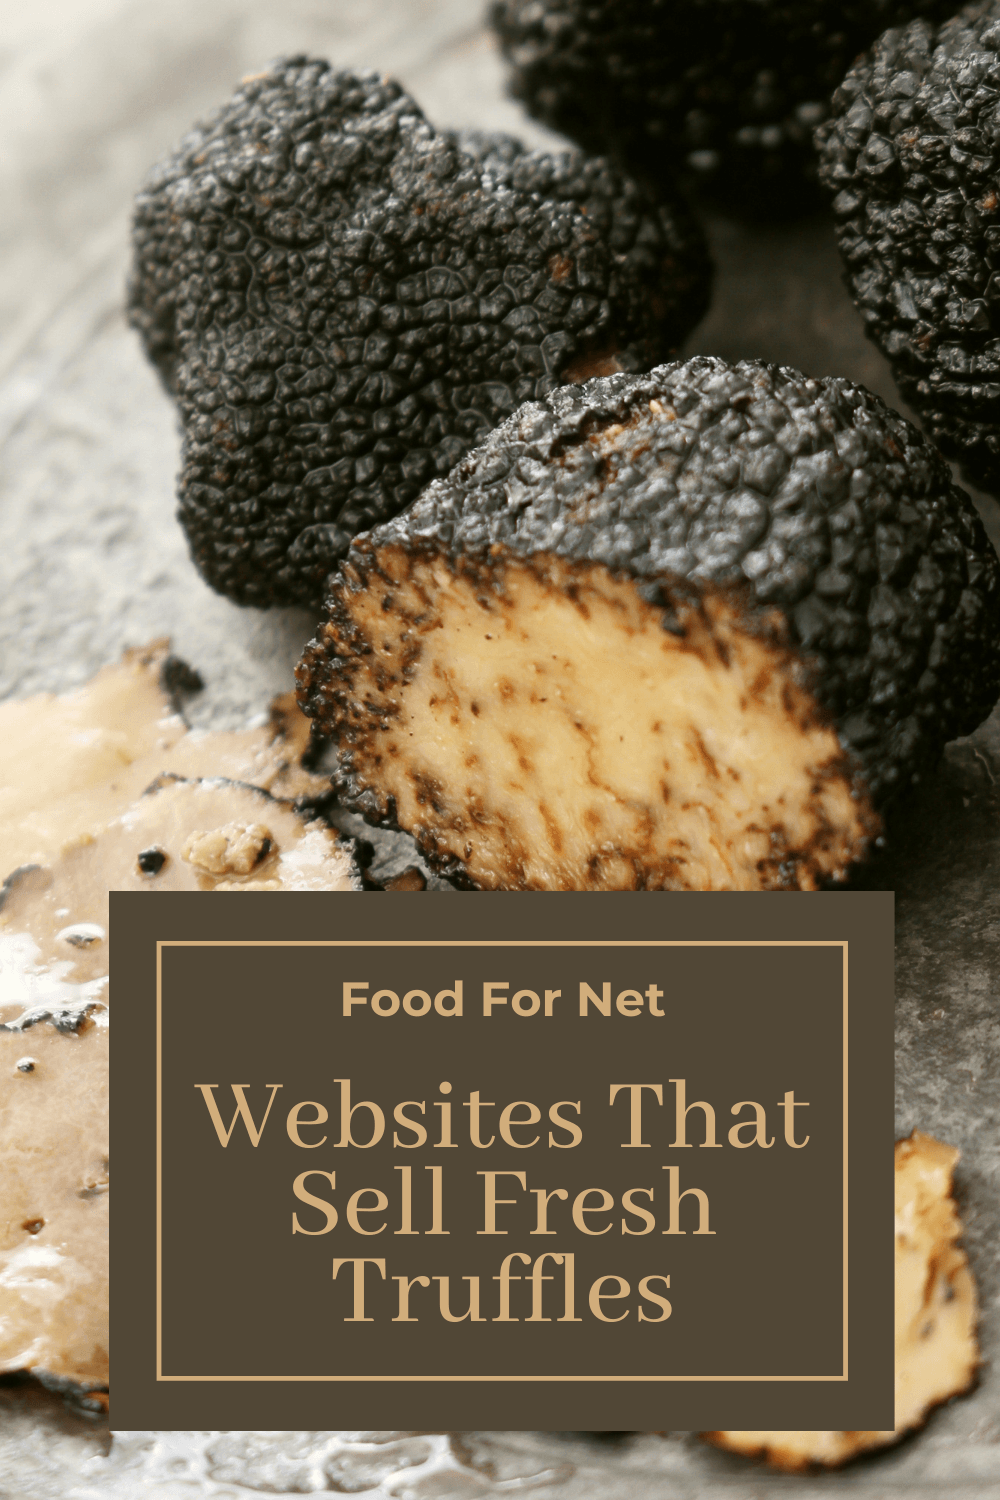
pixel 344 300
pixel 800 512
pixel 912 154
pixel 728 89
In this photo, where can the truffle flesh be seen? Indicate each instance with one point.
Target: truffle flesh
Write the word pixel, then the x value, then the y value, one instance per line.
pixel 80 819
pixel 689 630
pixel 70 764
pixel 936 1351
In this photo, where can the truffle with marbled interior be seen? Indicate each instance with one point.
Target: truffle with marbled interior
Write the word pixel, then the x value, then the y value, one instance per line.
pixel 695 630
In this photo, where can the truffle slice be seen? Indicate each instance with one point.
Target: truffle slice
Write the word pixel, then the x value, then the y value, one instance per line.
pixel 66 763
pixel 54 1175
pixel 691 630
pixel 936 1351
pixel 209 835
pixel 74 822
pixel 53 1190
pixel 344 300
pixel 912 155
pixel 71 764
pixel 53 1135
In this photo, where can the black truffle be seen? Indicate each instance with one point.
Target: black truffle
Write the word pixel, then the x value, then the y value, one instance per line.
pixel 344 300
pixel 693 629
pixel 913 156
pixel 726 90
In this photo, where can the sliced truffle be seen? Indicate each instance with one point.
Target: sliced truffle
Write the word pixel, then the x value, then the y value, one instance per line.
pixel 54 1181
pixel 729 90
pixel 912 155
pixel 344 300
pixel 936 1351
pixel 71 764
pixel 212 833
pixel 53 1140
pixel 72 772
pixel 54 1202
pixel 687 630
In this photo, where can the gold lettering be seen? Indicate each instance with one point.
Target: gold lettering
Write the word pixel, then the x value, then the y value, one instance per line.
pixel 507 1122
pixel 405 1283
pixel 635 1141
pixel 580 1208
pixel 596 1295
pixel 491 1202
pixel 242 1111
pixel 758 1124
pixel 576 1134
pixel 299 1189
pixel 295 1120
pixel 354 1208
pixel 675 1205
pixel 640 1213
pixel 790 1104
pixel 683 1110
pixel 653 1297
pixel 347 1113
pixel 359 1284
pixel 603 1002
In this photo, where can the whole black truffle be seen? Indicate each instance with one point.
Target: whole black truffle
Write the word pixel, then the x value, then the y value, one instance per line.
pixel 727 90
pixel 913 156
pixel 344 300
pixel 687 630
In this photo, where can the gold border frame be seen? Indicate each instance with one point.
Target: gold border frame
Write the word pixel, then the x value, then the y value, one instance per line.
pixel 489 943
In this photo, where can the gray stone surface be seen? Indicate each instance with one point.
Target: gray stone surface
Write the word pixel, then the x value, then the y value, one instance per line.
pixel 91 560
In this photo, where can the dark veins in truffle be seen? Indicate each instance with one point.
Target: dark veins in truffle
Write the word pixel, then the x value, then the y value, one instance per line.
pixel 729 90
pixel 810 496
pixel 344 300
pixel 913 156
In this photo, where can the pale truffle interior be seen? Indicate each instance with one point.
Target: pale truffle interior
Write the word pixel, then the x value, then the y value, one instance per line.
pixel 540 726
pixel 71 764
pixel 76 801
pixel 54 1200
pixel 54 954
pixel 936 1351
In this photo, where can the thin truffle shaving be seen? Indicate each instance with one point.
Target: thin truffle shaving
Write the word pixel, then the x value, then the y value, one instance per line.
pixel 936 1351
pixel 94 798
pixel 72 763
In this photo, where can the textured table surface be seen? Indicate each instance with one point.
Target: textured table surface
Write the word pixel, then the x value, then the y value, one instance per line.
pixel 91 560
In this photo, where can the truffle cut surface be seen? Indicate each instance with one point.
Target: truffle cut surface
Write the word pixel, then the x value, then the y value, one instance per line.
pixel 53 1194
pixel 66 762
pixel 71 764
pixel 102 804
pixel 540 727
pixel 690 630
pixel 936 1350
